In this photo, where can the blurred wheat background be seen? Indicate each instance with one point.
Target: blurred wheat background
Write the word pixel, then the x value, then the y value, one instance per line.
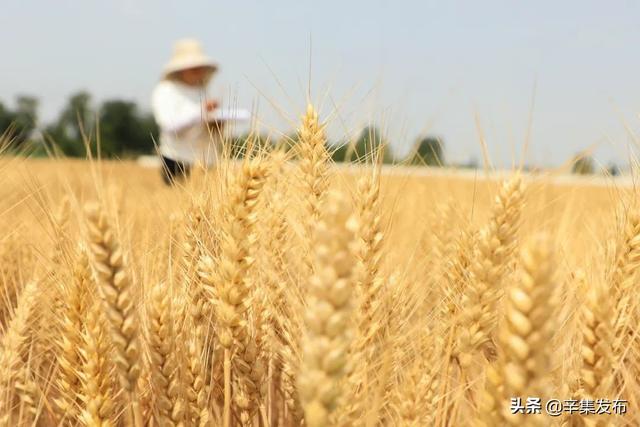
pixel 278 290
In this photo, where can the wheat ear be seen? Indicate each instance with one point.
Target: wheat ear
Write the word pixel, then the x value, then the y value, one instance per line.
pixel 415 397
pixel 29 394
pixel 327 334
pixel 370 313
pixel 313 169
pixel 60 231
pixel 116 289
pixel 369 237
pixel 95 373
pixel 495 247
pixel 15 261
pixel 597 375
pixel 282 306
pixel 453 247
pixel 491 400
pixel 229 291
pixel 14 350
pixel 165 364
pixel 199 308
pixel 72 324
pixel 528 328
pixel 444 247
pixel 623 281
pixel 202 375
pixel 196 391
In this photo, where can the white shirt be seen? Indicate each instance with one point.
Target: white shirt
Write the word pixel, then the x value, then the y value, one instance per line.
pixel 179 111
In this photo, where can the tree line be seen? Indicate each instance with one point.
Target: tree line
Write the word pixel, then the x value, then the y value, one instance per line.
pixel 124 130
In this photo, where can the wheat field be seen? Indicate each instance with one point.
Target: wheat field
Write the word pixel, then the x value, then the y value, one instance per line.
pixel 278 290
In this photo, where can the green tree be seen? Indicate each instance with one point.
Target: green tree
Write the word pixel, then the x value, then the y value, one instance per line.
pixel 365 147
pixel 123 130
pixel 339 152
pixel 429 151
pixel 77 115
pixel 19 124
pixel 26 117
pixel 149 133
pixel 240 144
pixel 583 165
pixel 7 120
pixel 66 132
pixel 369 140
pixel 613 169
pixel 288 142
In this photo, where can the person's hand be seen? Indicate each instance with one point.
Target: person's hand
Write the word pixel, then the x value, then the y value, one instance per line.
pixel 211 104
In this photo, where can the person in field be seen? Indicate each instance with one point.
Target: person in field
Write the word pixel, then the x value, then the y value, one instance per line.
pixel 180 106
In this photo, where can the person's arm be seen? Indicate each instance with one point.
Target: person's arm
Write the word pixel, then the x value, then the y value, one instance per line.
pixel 171 111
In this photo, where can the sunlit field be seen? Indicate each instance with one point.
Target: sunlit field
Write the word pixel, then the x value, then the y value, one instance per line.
pixel 281 290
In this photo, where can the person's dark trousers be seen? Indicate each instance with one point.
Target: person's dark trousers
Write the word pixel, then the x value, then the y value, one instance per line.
pixel 173 170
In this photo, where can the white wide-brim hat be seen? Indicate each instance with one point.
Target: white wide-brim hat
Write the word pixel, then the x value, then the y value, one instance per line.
pixel 188 53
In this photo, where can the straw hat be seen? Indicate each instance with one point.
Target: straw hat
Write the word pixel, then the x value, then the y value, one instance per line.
pixel 188 53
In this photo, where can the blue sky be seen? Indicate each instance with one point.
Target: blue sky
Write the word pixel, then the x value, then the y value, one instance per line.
pixel 409 66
